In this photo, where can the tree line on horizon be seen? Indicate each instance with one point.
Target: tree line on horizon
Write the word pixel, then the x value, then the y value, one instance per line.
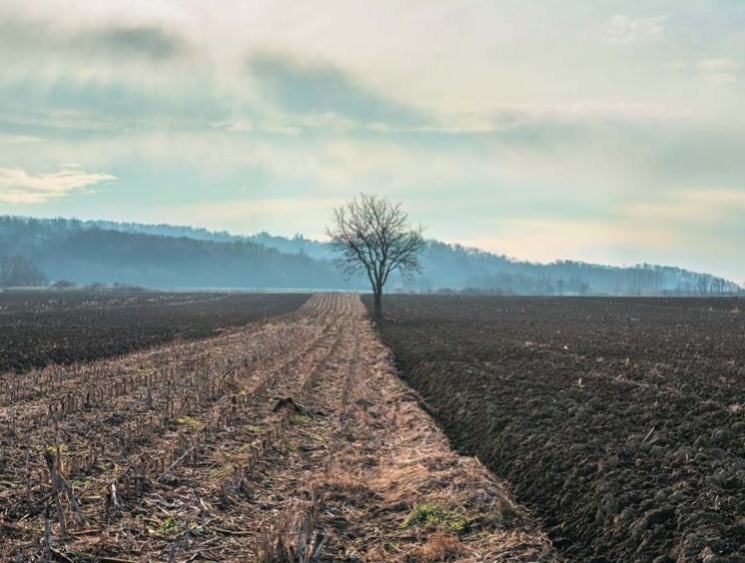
pixel 164 256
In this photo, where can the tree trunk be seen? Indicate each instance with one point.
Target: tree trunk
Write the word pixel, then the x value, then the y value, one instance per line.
pixel 378 298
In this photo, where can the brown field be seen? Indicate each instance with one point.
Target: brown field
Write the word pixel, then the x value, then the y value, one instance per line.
pixel 191 451
pixel 65 327
pixel 620 422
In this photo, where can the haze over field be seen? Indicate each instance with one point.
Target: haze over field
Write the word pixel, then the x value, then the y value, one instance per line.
pixel 609 132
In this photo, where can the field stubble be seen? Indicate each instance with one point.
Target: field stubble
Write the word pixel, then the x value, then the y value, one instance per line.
pixel 285 440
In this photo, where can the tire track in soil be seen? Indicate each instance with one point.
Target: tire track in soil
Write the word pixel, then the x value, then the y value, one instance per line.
pixel 180 454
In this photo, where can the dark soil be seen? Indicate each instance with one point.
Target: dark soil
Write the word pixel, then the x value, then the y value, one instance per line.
pixel 43 327
pixel 187 453
pixel 620 421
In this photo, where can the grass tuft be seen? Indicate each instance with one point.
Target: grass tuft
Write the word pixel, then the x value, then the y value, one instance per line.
pixel 434 515
pixel 429 515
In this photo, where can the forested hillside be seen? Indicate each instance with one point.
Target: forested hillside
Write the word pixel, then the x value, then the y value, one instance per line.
pixel 87 252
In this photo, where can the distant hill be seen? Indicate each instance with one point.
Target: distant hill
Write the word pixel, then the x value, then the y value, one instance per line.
pixel 87 252
pixel 295 245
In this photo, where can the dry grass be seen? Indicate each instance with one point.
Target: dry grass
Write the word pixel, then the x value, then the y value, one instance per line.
pixel 207 470
pixel 393 460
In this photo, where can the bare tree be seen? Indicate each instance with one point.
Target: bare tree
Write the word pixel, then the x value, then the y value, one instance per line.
pixel 372 235
pixel 17 271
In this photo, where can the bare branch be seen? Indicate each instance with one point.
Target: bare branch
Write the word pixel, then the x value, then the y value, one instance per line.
pixel 370 234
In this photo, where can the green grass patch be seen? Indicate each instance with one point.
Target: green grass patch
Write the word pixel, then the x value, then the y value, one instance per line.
pixel 436 516
pixel 53 449
pixel 293 448
pixel 81 483
pixel 300 419
pixel 431 515
pixel 170 527
pixel 246 447
pixel 187 421
pixel 223 471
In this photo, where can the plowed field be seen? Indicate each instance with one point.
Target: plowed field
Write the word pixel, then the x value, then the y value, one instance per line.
pixel 64 327
pixel 620 421
pixel 288 440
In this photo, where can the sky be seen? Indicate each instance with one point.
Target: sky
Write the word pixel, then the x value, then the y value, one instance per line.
pixel 608 131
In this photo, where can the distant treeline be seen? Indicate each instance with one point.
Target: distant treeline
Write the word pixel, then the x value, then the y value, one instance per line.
pixel 87 252
pixel 487 273
pixel 71 251
pixel 17 271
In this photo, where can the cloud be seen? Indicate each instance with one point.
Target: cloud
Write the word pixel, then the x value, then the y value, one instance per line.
pixel 104 75
pixel 18 186
pixel 719 65
pixel 149 42
pixel 719 71
pixel 623 29
pixel 10 139
pixel 320 89
pixel 112 41
pixel 39 105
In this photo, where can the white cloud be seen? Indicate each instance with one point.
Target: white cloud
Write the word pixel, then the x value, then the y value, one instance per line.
pixel 8 139
pixel 623 29
pixel 722 78
pixel 18 186
pixel 719 71
pixel 719 65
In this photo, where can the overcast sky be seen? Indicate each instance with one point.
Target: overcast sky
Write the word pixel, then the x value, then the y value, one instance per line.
pixel 599 130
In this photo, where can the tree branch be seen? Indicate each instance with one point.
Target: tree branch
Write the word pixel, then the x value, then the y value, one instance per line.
pixel 372 235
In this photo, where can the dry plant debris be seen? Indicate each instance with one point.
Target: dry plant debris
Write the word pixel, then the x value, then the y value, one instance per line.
pixel 287 440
